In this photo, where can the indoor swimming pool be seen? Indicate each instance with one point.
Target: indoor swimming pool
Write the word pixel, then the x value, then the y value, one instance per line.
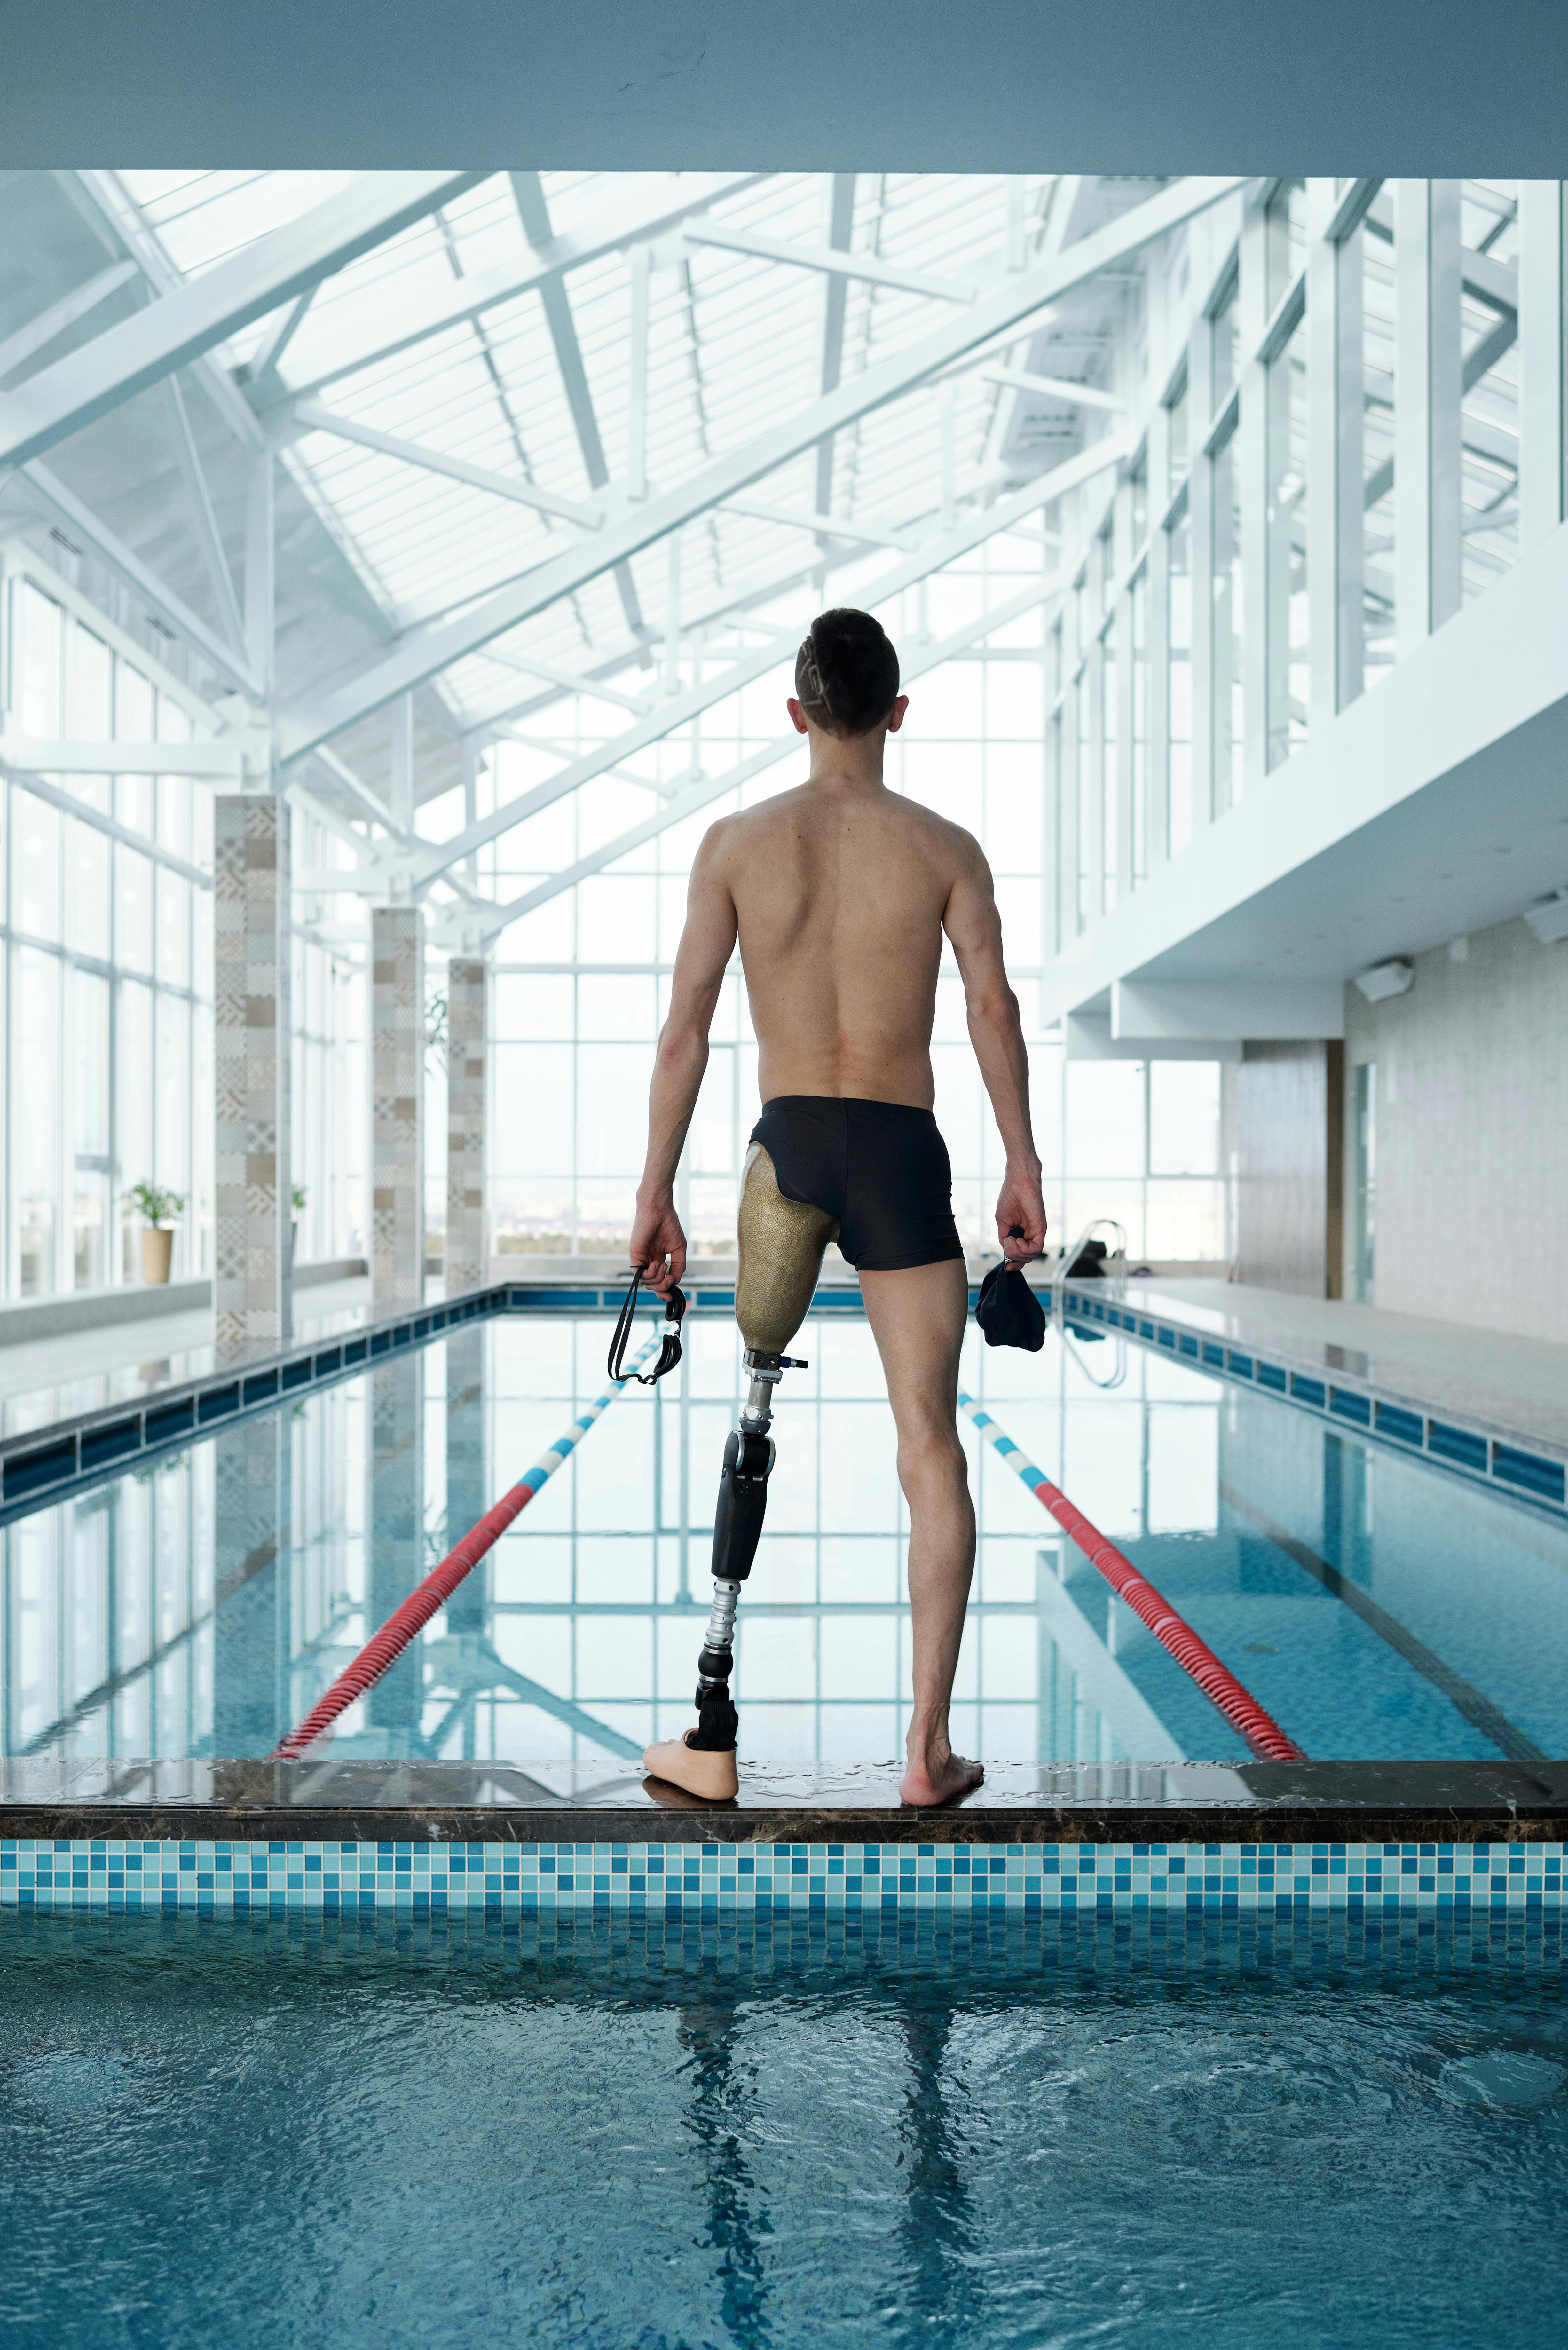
pixel 198 1606
pixel 628 2141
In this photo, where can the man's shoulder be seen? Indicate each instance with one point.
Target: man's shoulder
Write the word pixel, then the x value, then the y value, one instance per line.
pixel 940 837
pixel 745 825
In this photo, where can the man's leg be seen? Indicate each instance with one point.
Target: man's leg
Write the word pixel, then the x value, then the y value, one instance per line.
pixel 917 1321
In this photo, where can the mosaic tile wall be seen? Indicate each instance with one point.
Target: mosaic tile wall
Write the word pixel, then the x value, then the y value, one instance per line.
pixel 467 1263
pixel 397 1099
pixel 442 1878
pixel 253 1279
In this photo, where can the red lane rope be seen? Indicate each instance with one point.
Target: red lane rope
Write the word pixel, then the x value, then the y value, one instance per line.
pixel 1218 1684
pixel 429 1596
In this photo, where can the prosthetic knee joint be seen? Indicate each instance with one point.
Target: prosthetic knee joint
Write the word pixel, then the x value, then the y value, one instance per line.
pixel 737 1529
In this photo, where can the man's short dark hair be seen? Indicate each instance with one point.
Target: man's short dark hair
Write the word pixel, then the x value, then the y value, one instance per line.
pixel 846 672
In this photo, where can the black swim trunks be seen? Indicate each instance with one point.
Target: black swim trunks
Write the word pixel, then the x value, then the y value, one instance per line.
pixel 881 1168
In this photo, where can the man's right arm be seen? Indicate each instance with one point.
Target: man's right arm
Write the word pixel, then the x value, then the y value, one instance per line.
pixel 973 926
pixel 706 943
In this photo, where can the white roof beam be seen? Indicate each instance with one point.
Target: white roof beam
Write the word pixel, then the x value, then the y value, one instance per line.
pixel 1054 387
pixel 654 204
pixel 208 537
pixel 726 477
pixel 84 524
pixel 106 203
pixel 825 524
pixel 569 680
pixel 19 347
pixel 224 758
pixel 701 795
pixel 195 316
pixel 311 417
pixel 840 236
pixel 832 262
pixel 286 326
pixel 681 708
pixel 535 214
pixel 558 751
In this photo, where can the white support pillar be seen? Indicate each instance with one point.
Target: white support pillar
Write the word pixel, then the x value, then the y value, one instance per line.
pixel 1126 818
pixel 397 1106
pixel 467 1264
pixel 1335 496
pixel 1157 623
pixel 1068 925
pixel 253 1285
pixel 260 568
pixel 1428 386
pixel 1052 928
pixel 402 762
pixel 1260 600
pixel 1200 585
pixel 1542 358
pixel 637 388
pixel 1095 670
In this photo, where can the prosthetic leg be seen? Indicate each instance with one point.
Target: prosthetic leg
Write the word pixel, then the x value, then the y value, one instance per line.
pixel 781 1242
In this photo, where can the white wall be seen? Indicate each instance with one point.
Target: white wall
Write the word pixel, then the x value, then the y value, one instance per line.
pixel 1472 1141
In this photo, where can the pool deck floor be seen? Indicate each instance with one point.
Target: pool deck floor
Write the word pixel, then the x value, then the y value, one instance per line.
pixel 1520 1385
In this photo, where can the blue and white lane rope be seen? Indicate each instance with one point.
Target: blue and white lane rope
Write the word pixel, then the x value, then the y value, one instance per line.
pixel 384 1649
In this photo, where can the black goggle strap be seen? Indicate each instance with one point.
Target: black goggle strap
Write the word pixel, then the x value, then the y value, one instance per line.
pixel 669 1353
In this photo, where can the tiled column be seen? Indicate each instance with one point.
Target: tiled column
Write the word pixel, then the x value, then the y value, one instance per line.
pixel 252 1287
pixel 467 1240
pixel 397 1102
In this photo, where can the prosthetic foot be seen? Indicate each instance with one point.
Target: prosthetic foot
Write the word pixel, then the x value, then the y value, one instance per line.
pixel 781 1242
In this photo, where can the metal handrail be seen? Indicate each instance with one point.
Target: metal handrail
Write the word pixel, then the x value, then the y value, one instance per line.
pixel 1116 1263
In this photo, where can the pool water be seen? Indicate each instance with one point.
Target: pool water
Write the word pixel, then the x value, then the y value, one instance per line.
pixel 1374 1606
pixel 240 2135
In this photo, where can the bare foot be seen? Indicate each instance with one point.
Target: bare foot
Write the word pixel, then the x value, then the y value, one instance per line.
pixel 696 1768
pixel 936 1775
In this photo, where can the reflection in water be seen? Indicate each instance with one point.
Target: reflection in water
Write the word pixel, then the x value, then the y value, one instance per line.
pixel 937 2228
pixel 201 1605
pixel 722 2115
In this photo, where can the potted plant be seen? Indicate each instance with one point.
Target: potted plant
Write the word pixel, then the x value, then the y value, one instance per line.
pixel 159 1211
pixel 301 1201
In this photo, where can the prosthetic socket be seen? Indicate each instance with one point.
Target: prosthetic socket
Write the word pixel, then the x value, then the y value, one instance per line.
pixel 780 1244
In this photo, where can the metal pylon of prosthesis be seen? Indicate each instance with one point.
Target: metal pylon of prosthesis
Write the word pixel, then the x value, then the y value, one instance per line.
pixel 749 1455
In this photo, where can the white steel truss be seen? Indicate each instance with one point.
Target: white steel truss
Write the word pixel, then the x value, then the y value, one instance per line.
pixel 194 318
pixel 922 659
pixel 636 528
pixel 676 710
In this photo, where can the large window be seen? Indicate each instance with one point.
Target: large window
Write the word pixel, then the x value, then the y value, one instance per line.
pixel 106 946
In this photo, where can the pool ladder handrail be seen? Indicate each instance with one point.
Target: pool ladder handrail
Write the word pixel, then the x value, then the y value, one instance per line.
pixel 1116 1263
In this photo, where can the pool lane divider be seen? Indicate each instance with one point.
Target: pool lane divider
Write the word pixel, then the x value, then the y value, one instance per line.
pixel 427 1600
pixel 1218 1684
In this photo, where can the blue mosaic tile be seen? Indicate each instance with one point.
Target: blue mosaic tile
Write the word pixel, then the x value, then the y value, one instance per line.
pixel 1412 1879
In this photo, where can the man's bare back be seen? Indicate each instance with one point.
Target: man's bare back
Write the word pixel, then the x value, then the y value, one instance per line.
pixel 840 889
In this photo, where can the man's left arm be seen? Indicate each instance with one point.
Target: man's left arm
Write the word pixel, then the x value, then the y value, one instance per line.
pixel 973 926
pixel 706 942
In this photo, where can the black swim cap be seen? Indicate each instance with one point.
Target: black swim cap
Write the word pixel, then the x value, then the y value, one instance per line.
pixel 846 672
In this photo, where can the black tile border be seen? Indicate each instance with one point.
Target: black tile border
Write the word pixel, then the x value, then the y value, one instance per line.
pixel 1322 1803
pixel 1473 1449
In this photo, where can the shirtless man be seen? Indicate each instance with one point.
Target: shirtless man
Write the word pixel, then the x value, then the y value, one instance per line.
pixel 840 893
